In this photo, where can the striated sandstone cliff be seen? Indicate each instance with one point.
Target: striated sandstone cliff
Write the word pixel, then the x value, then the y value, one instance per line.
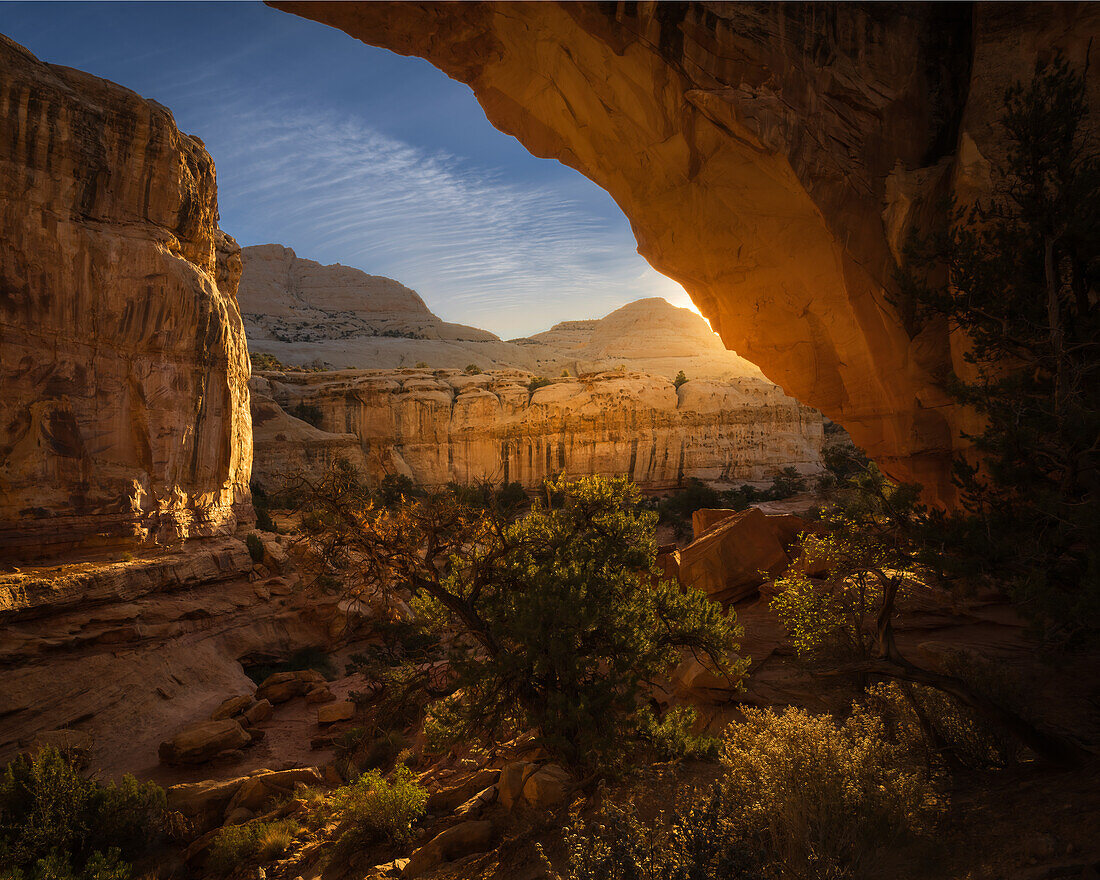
pixel 442 426
pixel 124 411
pixel 771 157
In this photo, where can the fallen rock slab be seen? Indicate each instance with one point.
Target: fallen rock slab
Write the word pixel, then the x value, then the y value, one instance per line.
pixel 201 742
pixel 727 561
pixel 454 843
pixel 330 713
pixel 232 707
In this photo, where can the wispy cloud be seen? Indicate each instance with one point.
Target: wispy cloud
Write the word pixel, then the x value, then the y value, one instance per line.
pixel 509 256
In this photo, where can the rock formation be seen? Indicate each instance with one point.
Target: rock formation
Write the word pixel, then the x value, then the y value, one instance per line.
pixel 771 157
pixel 304 314
pixel 444 425
pixel 122 354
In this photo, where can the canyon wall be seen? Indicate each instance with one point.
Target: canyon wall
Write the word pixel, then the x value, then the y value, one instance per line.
pixel 124 412
pixel 771 157
pixel 444 425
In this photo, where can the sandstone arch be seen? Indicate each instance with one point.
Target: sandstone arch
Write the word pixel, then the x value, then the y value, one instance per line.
pixel 770 157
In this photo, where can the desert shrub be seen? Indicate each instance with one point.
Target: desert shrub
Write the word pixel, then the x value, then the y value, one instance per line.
pixel 671 736
pixel 821 798
pixel 421 365
pixel 56 823
pixel 395 488
pixel 555 620
pixel 472 370
pixel 536 383
pixel 786 483
pixel 255 546
pixel 236 844
pixel 938 727
pixel 680 379
pixel 695 844
pixel 381 809
pixel 308 413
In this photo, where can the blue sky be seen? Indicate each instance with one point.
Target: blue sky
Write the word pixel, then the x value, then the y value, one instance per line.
pixel 352 154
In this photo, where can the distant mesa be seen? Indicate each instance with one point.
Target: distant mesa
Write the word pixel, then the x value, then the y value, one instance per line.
pixel 305 313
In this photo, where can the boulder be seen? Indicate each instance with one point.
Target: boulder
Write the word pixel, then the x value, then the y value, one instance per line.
pixel 512 779
pixel 259 788
pixel 446 799
pixel 330 713
pixel 261 711
pixel 282 686
pixel 454 843
pixel 201 742
pixel 472 808
pixel 706 518
pixel 232 707
pixel 692 680
pixel 203 803
pixel 726 562
pixel 547 787
pixel 320 694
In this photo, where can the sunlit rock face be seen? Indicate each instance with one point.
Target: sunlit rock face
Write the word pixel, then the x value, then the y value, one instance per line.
pixel 442 426
pixel 124 411
pixel 773 158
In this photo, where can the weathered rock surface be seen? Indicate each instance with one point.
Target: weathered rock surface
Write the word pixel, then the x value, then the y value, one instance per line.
pixel 441 426
pixel 304 313
pixel 154 645
pixel 454 843
pixel 726 562
pixel 122 353
pixel 772 158
pixel 198 743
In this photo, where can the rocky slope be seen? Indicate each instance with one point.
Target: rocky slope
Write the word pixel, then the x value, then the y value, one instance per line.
pixel 444 425
pixel 122 355
pixel 771 157
pixel 304 313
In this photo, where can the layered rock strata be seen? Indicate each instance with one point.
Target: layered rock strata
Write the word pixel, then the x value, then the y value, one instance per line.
pixel 122 354
pixel 307 314
pixel 129 650
pixel 771 157
pixel 444 426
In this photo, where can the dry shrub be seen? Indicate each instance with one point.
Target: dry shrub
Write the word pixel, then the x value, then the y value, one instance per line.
pixel 823 799
pixel 236 844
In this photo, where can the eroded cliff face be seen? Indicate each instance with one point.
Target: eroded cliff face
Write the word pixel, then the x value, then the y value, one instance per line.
pixel 123 364
pixel 444 426
pixel 771 157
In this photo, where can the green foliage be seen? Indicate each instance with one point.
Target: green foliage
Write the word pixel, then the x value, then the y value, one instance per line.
pixel 680 379
pixel 677 508
pixel 235 845
pixel 536 383
pixel 472 370
pixel 696 844
pixel 395 488
pixel 308 413
pixel 556 618
pixel 671 736
pixel 1018 275
pixel 266 362
pixel 823 799
pixel 573 622
pixel 255 546
pixel 421 365
pixel 866 545
pixel 378 809
pixel 56 823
